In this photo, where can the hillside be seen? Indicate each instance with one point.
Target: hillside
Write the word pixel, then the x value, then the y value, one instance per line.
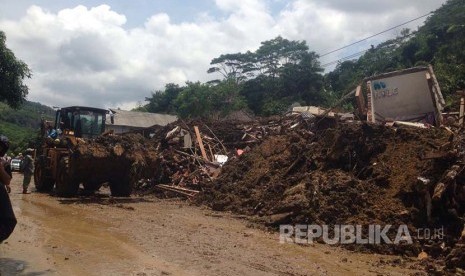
pixel 440 42
pixel 21 125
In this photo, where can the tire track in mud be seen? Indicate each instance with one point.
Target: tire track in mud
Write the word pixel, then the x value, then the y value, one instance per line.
pixel 67 241
pixel 149 236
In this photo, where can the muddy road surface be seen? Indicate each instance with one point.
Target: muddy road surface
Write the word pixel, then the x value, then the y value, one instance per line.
pixel 100 235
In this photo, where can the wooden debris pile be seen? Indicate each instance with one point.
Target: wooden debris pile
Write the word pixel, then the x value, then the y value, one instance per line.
pixel 188 155
pixel 443 201
pixel 192 153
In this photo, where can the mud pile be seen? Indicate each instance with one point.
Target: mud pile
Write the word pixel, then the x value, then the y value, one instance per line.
pixel 354 174
pixel 298 170
pixel 115 154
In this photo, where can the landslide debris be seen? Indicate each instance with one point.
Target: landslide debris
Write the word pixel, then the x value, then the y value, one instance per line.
pixel 182 165
pixel 355 174
pixel 300 170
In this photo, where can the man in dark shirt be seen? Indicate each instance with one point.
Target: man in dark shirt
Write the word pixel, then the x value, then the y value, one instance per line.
pixel 7 216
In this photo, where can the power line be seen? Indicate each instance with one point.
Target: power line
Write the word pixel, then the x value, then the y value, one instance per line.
pixel 360 53
pixel 345 58
pixel 385 31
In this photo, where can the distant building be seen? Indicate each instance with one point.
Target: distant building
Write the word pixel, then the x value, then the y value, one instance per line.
pixel 122 121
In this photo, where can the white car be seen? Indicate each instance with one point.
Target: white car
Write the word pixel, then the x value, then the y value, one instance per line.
pixel 15 164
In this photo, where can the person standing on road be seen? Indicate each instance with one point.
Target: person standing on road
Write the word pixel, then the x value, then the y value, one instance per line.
pixel 5 168
pixel 7 216
pixel 28 169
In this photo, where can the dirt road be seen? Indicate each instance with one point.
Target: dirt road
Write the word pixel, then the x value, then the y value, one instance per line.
pixel 99 235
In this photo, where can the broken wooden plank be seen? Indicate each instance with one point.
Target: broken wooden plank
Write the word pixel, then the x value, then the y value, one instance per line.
pixel 292 166
pixel 370 109
pixel 437 92
pixel 438 155
pixel 199 140
pixel 360 100
pixel 219 141
pixel 438 191
pixel 198 158
pixel 462 111
pixel 410 124
pixel 179 190
pixel 448 130
pixel 211 152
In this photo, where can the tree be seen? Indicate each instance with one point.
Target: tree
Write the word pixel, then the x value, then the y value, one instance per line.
pixel 444 34
pixel 440 42
pixel 209 101
pixel 194 101
pixel 303 82
pixel 254 92
pixel 275 53
pixel 237 67
pixel 162 101
pixel 389 55
pixel 278 73
pixel 12 73
pixel 267 60
pixel 226 98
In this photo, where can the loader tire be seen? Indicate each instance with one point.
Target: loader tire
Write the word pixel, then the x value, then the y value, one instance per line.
pixel 91 186
pixel 42 181
pixel 121 187
pixel 66 186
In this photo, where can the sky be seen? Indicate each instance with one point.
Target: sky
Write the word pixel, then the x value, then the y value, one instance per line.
pixel 115 53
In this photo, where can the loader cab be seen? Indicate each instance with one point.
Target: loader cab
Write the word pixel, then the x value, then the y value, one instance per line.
pixel 80 121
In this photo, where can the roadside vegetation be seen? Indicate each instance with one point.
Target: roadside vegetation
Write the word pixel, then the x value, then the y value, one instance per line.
pixel 268 81
pixel 21 125
pixel 282 72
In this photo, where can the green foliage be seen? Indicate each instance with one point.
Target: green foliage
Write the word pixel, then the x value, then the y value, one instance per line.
pixel 19 136
pixel 206 100
pixel 278 73
pixel 274 54
pixel 281 72
pixel 162 101
pixel 226 98
pixel 273 107
pixel 194 100
pixel 449 59
pixel 440 42
pixel 302 81
pixel 21 125
pixel 235 67
pixel 266 81
pixel 19 119
pixel 12 73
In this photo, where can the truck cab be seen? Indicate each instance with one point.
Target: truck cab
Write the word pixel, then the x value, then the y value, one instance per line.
pixel 80 122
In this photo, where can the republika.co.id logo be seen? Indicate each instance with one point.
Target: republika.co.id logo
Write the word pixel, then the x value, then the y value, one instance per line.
pixel 354 234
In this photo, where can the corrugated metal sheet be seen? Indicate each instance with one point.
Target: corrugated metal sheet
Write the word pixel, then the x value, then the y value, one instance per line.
pixel 139 119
